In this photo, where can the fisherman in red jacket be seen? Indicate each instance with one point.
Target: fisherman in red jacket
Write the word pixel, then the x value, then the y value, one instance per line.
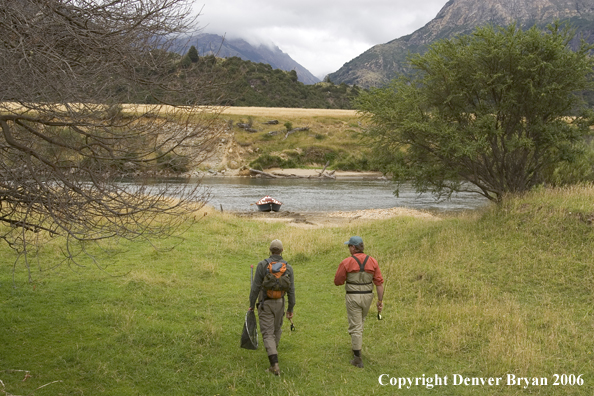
pixel 360 272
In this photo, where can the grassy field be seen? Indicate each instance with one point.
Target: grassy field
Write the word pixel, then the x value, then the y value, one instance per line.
pixel 508 291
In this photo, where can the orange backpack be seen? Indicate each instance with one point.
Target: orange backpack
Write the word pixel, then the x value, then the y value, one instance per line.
pixel 277 280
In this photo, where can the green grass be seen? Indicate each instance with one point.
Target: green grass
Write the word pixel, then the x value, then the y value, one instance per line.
pixel 506 291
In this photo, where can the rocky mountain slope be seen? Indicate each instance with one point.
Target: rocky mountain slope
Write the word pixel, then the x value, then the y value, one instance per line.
pixel 207 44
pixel 381 63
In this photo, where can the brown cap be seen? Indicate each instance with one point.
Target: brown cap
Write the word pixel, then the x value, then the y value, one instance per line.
pixel 276 244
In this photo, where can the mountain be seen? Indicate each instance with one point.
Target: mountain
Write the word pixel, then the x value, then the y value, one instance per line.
pixel 378 65
pixel 212 44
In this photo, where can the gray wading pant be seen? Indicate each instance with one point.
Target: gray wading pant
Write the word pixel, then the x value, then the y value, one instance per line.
pixel 271 313
pixel 357 306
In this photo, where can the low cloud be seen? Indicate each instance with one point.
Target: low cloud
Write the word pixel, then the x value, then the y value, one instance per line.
pixel 321 36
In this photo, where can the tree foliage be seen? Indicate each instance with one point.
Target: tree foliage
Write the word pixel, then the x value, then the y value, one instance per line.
pixel 496 109
pixel 66 139
pixel 193 54
pixel 258 84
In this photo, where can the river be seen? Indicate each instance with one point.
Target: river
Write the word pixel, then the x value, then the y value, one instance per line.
pixel 239 194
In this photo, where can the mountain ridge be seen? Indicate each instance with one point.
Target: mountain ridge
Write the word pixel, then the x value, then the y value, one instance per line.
pixel 382 62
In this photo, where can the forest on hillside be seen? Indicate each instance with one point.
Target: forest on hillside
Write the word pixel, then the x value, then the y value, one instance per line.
pixel 244 83
pixel 258 84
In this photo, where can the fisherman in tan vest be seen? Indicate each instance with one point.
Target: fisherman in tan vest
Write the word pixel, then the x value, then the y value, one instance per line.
pixel 360 272
pixel 270 289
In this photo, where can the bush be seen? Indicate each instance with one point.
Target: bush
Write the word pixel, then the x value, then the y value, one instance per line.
pixel 174 163
pixel 578 171
pixel 272 161
pixel 352 163
pixel 320 155
pixel 193 54
pixel 185 62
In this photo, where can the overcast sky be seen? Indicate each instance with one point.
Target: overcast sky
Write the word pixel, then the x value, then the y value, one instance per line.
pixel 321 35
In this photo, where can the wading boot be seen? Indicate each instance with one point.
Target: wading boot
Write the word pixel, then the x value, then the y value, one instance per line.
pixel 357 361
pixel 274 369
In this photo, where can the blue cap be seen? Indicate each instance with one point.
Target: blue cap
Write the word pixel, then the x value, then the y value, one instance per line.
pixel 354 241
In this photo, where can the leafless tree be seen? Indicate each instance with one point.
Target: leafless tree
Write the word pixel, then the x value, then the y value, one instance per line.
pixel 66 139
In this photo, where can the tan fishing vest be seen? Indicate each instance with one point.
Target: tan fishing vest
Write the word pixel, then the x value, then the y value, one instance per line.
pixel 360 282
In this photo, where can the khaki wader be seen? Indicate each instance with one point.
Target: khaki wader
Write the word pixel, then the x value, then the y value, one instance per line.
pixel 357 306
pixel 270 314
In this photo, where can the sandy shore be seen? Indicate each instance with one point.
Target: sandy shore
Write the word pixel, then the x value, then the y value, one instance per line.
pixel 314 173
pixel 335 219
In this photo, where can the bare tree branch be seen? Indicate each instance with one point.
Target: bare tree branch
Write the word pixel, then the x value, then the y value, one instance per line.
pixel 68 144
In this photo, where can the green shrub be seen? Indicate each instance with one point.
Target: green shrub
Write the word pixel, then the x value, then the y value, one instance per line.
pixel 320 155
pixel 174 163
pixel 185 62
pixel 193 54
pixel 582 170
pixel 354 163
pixel 272 161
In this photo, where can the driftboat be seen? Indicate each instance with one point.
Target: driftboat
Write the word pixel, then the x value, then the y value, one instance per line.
pixel 268 204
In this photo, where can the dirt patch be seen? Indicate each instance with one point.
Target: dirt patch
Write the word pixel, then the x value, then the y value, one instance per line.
pixel 334 219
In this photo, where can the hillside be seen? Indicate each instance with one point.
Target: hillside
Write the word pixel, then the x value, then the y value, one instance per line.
pixel 212 44
pixel 258 138
pixel 246 83
pixel 381 63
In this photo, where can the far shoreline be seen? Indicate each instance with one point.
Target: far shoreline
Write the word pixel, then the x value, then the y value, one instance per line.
pixel 288 173
pixel 315 173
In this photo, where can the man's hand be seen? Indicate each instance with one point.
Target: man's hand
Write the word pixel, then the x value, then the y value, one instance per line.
pixel 250 309
pixel 289 315
pixel 380 306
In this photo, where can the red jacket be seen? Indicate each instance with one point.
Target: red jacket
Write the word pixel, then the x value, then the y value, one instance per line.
pixel 350 265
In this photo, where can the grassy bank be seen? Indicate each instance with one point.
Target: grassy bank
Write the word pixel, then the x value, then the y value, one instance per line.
pixel 317 137
pixel 506 291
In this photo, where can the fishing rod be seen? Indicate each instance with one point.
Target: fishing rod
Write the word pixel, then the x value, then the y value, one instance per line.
pixel 379 314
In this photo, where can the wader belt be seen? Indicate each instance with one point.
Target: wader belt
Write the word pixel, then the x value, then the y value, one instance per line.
pixel 361 269
pixel 263 297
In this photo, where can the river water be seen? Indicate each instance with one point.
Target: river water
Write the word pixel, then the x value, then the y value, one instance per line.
pixel 239 194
